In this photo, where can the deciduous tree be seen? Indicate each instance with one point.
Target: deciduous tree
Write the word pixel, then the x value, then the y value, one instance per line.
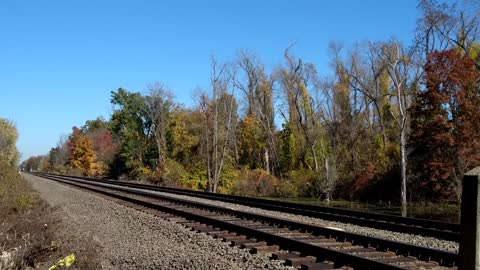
pixel 81 153
pixel 446 124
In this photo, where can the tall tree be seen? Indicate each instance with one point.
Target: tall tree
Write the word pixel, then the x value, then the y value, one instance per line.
pixel 446 124
pixel 132 126
pixel 219 113
pixel 403 77
pixel 295 79
pixel 159 104
pixel 258 127
pixel 368 77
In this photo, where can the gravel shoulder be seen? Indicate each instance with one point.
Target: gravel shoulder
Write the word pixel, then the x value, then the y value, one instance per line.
pixel 130 239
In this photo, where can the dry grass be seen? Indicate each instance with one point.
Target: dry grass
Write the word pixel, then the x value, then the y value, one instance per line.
pixel 32 231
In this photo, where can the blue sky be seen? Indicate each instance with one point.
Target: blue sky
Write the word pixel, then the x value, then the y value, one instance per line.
pixel 59 59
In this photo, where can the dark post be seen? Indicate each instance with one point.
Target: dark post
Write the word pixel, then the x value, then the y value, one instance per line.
pixel 470 221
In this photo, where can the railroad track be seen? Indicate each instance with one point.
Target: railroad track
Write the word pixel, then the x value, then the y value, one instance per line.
pixel 437 229
pixel 301 245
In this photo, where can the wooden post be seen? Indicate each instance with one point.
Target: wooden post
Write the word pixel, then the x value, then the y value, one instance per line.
pixel 470 221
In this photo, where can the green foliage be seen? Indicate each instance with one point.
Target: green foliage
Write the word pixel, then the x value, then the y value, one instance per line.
pixel 197 179
pixel 229 176
pixel 287 154
pixel 131 126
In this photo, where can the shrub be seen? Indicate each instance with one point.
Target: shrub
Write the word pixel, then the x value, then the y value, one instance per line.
pixel 227 179
pixel 255 183
pixel 141 173
pixel 197 180
pixel 26 201
pixel 287 188
pixel 303 180
pixel 174 175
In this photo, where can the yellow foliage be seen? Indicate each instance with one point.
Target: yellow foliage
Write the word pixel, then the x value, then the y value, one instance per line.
pixel 82 154
pixel 67 262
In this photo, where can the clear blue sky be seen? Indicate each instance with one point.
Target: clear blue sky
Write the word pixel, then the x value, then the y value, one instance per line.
pixel 60 59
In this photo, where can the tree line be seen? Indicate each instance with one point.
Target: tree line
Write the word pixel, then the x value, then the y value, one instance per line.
pixel 389 122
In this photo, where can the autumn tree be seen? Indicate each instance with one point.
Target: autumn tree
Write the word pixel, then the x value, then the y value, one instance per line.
pixel 449 25
pixel 159 104
pixel 343 118
pixel 404 79
pixel 295 78
pixel 445 134
pixel 186 128
pixel 336 117
pixel 81 153
pixel 106 148
pixel 219 112
pixel 257 131
pixel 370 79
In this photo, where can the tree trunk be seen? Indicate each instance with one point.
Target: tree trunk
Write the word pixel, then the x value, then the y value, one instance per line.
pixel 327 175
pixel 315 160
pixel 161 162
pixel 403 165
pixel 267 160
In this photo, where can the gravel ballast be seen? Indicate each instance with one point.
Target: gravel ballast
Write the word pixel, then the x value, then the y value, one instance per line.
pixel 131 239
pixel 419 240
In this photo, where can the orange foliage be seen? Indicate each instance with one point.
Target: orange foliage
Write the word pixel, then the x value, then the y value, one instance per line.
pixel 82 154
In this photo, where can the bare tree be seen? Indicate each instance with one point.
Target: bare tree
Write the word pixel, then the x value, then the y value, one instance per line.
pixel 159 106
pixel 258 90
pixel 295 79
pixel 448 25
pixel 367 77
pixel 219 111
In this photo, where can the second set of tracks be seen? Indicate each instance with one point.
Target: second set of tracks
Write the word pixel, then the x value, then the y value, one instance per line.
pixel 431 228
pixel 297 243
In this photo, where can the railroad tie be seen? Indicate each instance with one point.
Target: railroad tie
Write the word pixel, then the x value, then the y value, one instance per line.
pixel 298 261
pixel 230 238
pixel 264 249
pixel 284 255
pixel 317 266
pixel 253 244
pixel 239 242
